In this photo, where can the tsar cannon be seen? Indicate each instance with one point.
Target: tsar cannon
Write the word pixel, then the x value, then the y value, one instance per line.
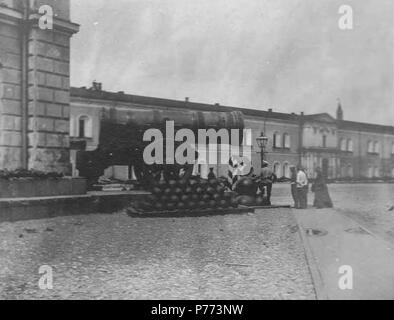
pixel 121 139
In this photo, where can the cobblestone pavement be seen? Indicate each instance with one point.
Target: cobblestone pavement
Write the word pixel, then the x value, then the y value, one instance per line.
pixel 249 256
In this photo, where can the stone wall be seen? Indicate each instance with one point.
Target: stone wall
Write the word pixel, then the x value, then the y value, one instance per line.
pixel 48 81
pixel 10 96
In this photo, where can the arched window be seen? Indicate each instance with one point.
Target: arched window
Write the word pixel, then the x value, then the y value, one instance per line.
pixel 277 169
pixel 85 129
pixel 370 147
pixel 349 145
pixel 376 147
pixel 286 170
pixel 286 141
pixel 277 140
pixel 343 144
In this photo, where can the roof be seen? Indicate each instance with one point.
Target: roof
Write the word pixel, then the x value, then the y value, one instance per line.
pixel 362 126
pixel 151 101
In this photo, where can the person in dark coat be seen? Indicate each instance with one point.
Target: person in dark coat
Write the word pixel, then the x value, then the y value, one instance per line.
pixel 319 187
pixel 265 181
pixel 293 184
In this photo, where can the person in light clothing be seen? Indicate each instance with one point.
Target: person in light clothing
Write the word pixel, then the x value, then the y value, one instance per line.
pixel 302 188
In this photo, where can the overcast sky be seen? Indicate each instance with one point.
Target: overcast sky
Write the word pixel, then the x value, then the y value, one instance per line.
pixel 289 55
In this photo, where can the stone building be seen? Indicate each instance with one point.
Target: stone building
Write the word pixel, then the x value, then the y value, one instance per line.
pixel 341 148
pixel 35 85
pixel 40 113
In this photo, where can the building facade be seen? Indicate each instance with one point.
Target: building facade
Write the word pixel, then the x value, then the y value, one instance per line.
pixel 343 149
pixel 40 114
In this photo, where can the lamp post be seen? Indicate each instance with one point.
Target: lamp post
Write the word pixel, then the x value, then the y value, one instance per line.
pixel 262 143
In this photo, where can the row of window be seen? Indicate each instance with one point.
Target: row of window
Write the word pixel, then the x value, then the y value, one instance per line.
pixel 372 147
pixel 85 130
pixel 280 141
pixel 282 170
pixel 346 145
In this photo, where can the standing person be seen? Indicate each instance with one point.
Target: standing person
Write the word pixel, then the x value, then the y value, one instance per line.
pixel 293 184
pixel 267 178
pixel 211 174
pixel 319 187
pixel 302 188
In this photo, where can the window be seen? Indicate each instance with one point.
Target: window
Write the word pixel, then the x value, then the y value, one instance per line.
pixel 286 170
pixel 286 141
pixel 343 144
pixel 85 127
pixel 376 147
pixel 392 149
pixel 377 172
pixel 370 147
pixel 277 142
pixel 277 169
pixel 370 172
pixel 349 145
pixel 324 141
pixel 392 172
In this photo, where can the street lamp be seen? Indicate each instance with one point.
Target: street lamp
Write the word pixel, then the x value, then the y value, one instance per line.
pixel 262 143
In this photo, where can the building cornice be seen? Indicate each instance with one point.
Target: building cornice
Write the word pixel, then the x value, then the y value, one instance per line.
pixel 14 17
pixel 58 24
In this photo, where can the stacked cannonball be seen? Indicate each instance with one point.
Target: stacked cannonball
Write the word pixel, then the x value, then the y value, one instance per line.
pixel 194 194
pixel 246 190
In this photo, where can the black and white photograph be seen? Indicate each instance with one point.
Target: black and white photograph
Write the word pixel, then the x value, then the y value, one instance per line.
pixel 196 150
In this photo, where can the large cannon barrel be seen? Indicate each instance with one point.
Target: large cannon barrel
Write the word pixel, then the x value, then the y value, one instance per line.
pixel 122 130
pixel 189 119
